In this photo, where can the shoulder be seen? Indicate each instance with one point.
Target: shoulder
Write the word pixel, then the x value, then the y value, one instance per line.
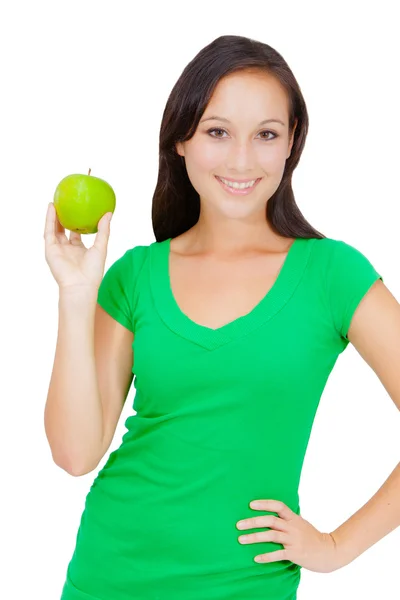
pixel 347 274
pixel 345 270
pixel 337 253
pixel 137 252
pixel 134 257
pixel 332 245
pixel 125 268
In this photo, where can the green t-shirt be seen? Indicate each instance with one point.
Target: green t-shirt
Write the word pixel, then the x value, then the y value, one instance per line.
pixel 223 417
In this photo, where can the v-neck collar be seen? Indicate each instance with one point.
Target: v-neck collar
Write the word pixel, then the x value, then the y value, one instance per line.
pixel 280 292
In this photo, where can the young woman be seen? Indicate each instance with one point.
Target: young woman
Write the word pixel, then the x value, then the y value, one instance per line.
pixel 231 322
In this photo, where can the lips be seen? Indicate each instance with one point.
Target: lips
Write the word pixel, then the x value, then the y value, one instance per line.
pixel 238 180
pixel 238 191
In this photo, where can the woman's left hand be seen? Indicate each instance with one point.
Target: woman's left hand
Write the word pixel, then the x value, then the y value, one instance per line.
pixel 303 543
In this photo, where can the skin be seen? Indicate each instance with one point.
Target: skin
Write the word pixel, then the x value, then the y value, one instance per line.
pixel 234 225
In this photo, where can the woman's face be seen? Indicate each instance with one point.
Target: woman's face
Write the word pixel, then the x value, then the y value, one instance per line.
pixel 240 148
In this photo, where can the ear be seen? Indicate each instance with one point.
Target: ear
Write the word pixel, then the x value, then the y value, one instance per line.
pixel 179 148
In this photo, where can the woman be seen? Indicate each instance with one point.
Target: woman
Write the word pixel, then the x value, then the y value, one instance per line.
pixel 236 314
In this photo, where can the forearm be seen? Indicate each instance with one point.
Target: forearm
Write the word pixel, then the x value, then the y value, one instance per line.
pixel 373 521
pixel 73 412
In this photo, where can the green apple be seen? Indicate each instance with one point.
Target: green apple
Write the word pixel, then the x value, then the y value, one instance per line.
pixel 81 200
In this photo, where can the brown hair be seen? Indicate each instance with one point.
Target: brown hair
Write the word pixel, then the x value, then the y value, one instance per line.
pixel 176 204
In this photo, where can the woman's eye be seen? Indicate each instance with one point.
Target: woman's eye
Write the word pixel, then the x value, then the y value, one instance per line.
pixel 210 131
pixel 270 132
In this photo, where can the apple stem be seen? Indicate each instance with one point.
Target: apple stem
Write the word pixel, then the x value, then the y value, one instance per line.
pixel 89 171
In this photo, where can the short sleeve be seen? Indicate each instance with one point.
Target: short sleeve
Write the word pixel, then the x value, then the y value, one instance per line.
pixel 115 294
pixel 350 276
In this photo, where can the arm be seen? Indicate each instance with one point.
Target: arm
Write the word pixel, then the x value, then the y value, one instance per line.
pixel 378 517
pixel 90 379
pixel 73 416
pixel 375 333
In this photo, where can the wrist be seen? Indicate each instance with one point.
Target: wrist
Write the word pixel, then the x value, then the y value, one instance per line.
pixel 343 552
pixel 80 296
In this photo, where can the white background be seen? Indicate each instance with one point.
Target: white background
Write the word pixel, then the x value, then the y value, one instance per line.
pixel 84 84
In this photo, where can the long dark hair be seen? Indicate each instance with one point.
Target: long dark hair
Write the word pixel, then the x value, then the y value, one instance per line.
pixel 176 204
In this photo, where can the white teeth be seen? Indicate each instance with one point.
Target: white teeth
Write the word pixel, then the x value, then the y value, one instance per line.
pixel 238 186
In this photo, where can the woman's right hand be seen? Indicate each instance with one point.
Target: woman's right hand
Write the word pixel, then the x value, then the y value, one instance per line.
pixel 75 267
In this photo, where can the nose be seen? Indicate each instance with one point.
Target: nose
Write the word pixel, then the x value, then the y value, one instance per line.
pixel 240 158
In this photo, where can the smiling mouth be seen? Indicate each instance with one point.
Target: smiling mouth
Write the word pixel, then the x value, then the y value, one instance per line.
pixel 238 189
pixel 238 181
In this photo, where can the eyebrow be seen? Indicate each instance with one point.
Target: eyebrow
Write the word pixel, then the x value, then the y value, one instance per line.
pixel 227 121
